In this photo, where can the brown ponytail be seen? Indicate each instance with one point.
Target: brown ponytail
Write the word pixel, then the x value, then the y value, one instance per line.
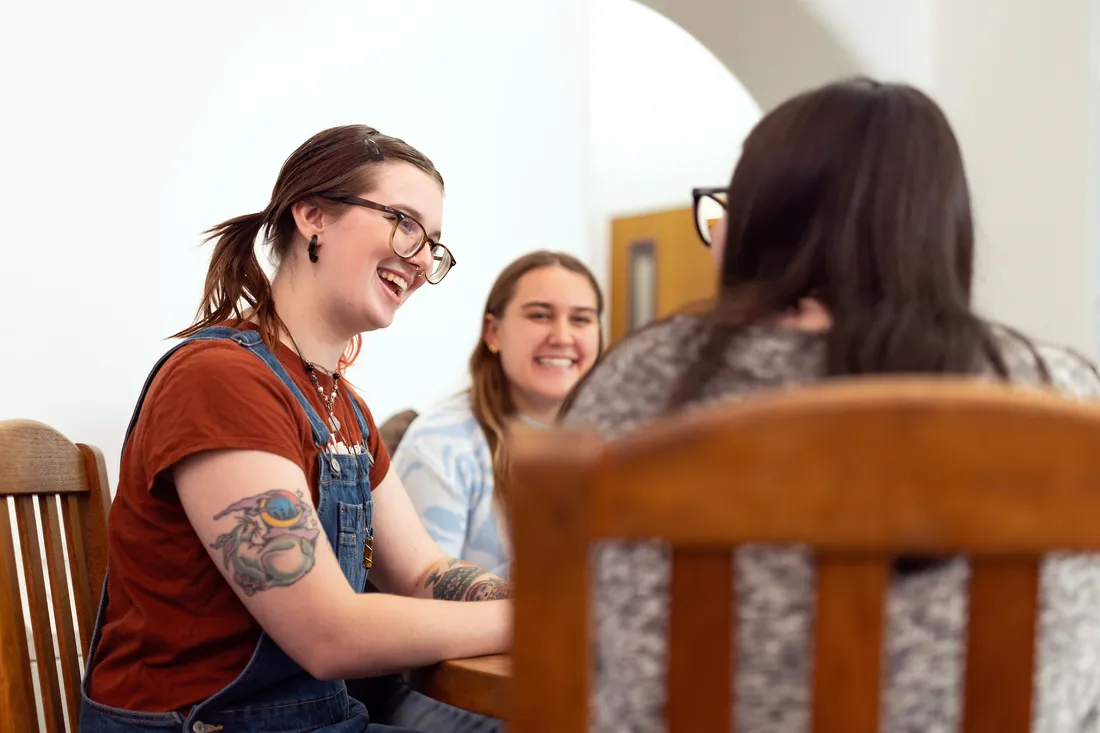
pixel 334 163
pixel 235 280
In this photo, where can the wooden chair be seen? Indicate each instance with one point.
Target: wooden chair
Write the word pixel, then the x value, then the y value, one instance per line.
pixel 37 464
pixel 393 429
pixel 862 471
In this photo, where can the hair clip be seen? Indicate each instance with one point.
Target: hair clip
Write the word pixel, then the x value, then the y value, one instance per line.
pixel 376 151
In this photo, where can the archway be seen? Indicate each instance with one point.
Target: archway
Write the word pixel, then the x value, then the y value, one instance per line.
pixel 775 48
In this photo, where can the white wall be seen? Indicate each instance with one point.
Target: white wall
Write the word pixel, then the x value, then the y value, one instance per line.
pixel 129 127
pixel 890 40
pixel 774 47
pixel 666 116
pixel 1096 172
pixel 1019 82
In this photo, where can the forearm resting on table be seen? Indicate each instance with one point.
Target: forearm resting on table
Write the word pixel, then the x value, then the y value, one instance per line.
pixel 397 633
pixel 428 627
pixel 458 580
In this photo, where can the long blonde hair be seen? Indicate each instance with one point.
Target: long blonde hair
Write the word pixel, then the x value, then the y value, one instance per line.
pixel 490 398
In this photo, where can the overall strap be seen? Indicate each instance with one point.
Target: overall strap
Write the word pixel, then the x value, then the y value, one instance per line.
pixel 255 344
pixel 364 429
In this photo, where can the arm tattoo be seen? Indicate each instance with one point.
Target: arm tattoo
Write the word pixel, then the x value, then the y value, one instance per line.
pixel 461 581
pixel 272 543
pixel 489 589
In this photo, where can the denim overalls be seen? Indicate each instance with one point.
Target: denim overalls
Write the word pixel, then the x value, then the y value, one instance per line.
pixel 273 694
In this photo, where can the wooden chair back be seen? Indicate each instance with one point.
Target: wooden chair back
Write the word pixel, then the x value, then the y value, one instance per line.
pixel 60 498
pixel 393 429
pixel 862 471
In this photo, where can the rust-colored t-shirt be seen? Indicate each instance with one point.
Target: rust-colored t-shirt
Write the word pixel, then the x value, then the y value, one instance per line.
pixel 175 631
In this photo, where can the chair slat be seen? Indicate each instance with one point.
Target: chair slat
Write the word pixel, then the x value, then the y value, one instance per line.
pixel 94 517
pixel 62 610
pixel 552 572
pixel 847 669
pixel 1004 597
pixel 72 508
pixel 701 641
pixel 15 659
pixel 49 687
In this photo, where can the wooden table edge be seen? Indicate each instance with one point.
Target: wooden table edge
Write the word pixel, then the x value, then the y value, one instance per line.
pixel 478 684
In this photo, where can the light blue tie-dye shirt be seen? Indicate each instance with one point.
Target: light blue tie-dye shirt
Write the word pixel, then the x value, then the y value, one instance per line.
pixel 446 466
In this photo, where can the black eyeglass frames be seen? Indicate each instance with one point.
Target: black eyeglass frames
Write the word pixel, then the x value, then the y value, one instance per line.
pixel 709 205
pixel 408 237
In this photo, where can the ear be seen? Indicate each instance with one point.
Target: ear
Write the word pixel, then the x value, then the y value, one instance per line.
pixel 490 332
pixel 309 218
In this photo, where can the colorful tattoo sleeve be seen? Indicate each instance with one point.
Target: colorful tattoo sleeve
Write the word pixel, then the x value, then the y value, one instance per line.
pixel 457 580
pixel 272 542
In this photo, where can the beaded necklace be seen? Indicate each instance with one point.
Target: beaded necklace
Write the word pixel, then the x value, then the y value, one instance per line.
pixel 329 401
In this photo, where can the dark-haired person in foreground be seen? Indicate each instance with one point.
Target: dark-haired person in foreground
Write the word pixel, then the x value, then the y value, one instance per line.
pixel 255 493
pixel 847 248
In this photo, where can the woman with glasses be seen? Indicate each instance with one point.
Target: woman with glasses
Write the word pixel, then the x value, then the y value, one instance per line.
pixel 255 494
pixel 540 334
pixel 845 246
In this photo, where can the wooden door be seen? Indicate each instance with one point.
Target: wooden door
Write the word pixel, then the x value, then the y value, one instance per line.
pixel 658 265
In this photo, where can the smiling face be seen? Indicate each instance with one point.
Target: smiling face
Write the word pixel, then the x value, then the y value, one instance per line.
pixel 547 337
pixel 364 281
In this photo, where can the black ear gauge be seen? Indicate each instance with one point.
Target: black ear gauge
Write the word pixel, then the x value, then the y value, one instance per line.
pixel 312 249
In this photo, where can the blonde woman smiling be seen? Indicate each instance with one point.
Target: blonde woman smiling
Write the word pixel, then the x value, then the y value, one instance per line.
pixel 540 334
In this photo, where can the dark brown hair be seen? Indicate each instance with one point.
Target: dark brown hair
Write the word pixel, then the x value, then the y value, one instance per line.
pixel 340 161
pixel 854 194
pixel 490 398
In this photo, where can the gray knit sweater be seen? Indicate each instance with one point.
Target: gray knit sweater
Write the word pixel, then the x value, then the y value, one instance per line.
pixel 926 615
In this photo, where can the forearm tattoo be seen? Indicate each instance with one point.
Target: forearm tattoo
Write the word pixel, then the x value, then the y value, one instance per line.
pixel 273 542
pixel 457 580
